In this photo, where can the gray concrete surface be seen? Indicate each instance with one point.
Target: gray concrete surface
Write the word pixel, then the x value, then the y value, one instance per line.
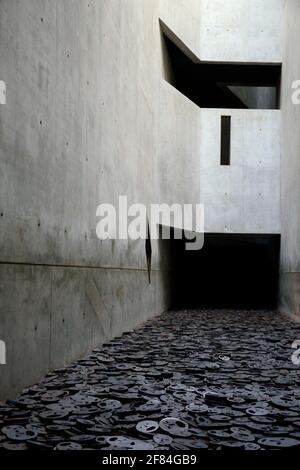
pixel 290 187
pixel 241 30
pixel 245 196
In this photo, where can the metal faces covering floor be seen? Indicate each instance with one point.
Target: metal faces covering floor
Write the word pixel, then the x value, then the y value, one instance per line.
pixel 186 380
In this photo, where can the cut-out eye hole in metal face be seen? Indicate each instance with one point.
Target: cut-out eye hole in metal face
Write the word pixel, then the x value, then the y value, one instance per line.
pixel 148 248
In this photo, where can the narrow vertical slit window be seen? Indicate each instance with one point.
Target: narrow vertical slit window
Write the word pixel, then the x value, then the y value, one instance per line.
pixel 148 247
pixel 225 140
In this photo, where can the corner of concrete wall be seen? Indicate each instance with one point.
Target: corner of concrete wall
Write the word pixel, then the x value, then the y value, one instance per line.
pixel 290 166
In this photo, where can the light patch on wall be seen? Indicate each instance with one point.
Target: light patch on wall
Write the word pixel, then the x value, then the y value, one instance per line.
pixel 256 97
pixel 2 92
pixel 2 353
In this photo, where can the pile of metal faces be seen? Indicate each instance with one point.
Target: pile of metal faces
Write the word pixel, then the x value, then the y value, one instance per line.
pixel 187 380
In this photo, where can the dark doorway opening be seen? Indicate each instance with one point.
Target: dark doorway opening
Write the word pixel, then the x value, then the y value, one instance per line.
pixel 231 271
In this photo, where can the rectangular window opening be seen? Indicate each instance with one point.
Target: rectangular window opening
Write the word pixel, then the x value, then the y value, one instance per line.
pixel 225 140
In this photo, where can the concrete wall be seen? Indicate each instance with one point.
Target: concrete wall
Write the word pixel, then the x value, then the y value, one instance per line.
pixel 241 30
pixel 290 200
pixel 245 196
pixel 184 20
pixel 248 31
pixel 88 118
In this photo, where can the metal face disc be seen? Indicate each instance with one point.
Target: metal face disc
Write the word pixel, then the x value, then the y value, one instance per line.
pixel 174 426
pixel 243 437
pixel 189 444
pixel 147 427
pixel 285 402
pixel 263 419
pixel 150 407
pixel 251 446
pixel 68 446
pixel 197 409
pixel 279 442
pixel 53 415
pixel 219 434
pixel 257 411
pixel 19 433
pixel 162 439
pixel 14 446
pixel 109 405
pixel 231 445
pixel 124 443
pixel 85 400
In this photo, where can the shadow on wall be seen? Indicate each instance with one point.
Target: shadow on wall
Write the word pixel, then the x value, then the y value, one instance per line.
pixel 231 271
pixel 219 85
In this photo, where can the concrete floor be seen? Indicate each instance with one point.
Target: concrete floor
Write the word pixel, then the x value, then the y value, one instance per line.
pixel 186 380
